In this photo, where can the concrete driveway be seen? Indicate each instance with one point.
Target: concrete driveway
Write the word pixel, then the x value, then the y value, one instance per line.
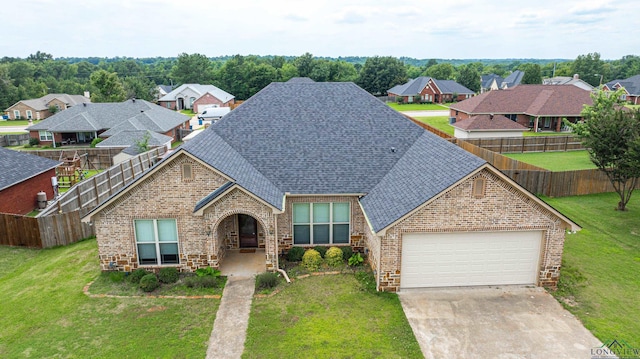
pixel 507 322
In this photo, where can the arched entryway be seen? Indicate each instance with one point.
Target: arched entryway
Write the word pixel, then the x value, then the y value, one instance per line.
pixel 241 243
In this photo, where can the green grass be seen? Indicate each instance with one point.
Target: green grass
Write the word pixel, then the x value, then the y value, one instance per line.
pixel 439 122
pixel 633 106
pixel 45 314
pixel 417 106
pixel 599 281
pixel 12 133
pixel 104 284
pixel 329 316
pixel 556 161
pixel 187 112
pixel 18 122
pixel 176 144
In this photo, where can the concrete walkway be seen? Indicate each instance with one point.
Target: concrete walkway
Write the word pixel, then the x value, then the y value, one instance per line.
pixel 230 326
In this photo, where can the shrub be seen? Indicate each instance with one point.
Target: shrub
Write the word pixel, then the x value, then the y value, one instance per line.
pixel 207 272
pixel 201 282
pixel 266 280
pixel 311 260
pixel 322 250
pixel 168 275
pixel 95 142
pixel 136 275
pixel 34 141
pixel 149 282
pixel 116 277
pixel 333 257
pixel 295 254
pixel 347 252
pixel 356 260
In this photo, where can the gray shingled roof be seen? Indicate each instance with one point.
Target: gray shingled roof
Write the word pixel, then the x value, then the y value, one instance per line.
pixel 488 79
pixel 631 84
pixel 213 195
pixel 42 103
pixel 16 167
pixel 413 87
pixel 513 79
pixel 138 114
pixel 199 89
pixel 127 138
pixel 331 138
pixel 450 86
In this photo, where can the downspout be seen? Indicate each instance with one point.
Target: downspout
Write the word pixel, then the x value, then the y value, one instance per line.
pixel 281 271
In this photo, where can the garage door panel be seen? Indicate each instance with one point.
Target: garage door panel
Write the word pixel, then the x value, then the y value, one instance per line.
pixel 475 258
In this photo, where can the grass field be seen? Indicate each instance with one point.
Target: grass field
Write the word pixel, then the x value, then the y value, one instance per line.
pixel 439 122
pixel 11 133
pixel 10 123
pixel 45 314
pixel 556 161
pixel 329 316
pixel 417 106
pixel 599 281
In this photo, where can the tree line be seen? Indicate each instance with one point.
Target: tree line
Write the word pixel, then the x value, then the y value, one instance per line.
pixel 116 79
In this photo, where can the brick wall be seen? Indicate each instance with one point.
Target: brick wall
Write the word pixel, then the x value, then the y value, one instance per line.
pixel 22 198
pixel 502 208
pixel 208 99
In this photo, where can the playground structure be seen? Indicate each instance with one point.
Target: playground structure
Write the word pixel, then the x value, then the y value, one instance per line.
pixel 73 169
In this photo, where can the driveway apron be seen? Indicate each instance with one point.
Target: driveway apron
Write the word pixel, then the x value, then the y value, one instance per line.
pixel 505 322
pixel 230 327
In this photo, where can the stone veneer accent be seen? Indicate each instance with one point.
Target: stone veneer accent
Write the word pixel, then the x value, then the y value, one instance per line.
pixel 502 208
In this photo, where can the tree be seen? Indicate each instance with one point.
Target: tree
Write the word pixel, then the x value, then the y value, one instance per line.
pixel 590 68
pixel 142 144
pixel 611 135
pixel 532 74
pixel 381 73
pixel 107 87
pixel 304 64
pixel 194 68
pixel 469 77
pixel 443 71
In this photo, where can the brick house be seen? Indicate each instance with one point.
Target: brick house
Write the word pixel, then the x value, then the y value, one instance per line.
pixel 631 87
pixel 538 107
pixel 308 164
pixel 38 108
pixel 196 97
pixel 82 124
pixel 23 176
pixel 428 89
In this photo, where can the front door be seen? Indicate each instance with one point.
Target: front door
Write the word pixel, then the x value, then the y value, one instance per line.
pixel 248 228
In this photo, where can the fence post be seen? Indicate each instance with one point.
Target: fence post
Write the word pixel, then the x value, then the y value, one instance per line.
pixel 544 147
pixel 522 148
pixel 95 186
pixel 566 143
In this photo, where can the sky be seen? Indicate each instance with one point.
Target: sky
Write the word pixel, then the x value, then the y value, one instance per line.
pixel 461 29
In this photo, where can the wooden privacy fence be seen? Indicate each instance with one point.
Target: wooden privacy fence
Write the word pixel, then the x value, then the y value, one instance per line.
pixel 43 232
pixel 497 160
pixel 14 140
pixel 87 194
pixel 98 158
pixel 528 144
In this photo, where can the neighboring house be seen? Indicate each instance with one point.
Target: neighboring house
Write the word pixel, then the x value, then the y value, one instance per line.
pixel 490 82
pixel 428 89
pixel 327 164
pixel 126 138
pixel 514 79
pixel 22 176
pixel 488 126
pixel 631 87
pixel 539 107
pixel 566 80
pixel 81 124
pixel 191 96
pixel 38 108
pixel 162 90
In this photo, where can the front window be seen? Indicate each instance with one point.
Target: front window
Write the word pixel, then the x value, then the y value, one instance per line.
pixel 157 241
pixel 45 136
pixel 29 114
pixel 16 114
pixel 321 223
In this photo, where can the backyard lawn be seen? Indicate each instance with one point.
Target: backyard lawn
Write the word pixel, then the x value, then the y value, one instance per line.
pixel 556 161
pixel 45 314
pixel 10 123
pixel 599 280
pixel 439 122
pixel 330 316
pixel 417 106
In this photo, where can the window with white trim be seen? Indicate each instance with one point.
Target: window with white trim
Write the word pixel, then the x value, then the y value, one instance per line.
pixel 45 136
pixel 16 114
pixel 321 223
pixel 29 115
pixel 157 241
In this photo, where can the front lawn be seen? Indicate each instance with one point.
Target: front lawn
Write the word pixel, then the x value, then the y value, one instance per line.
pixel 330 316
pixel 46 315
pixel 556 161
pixel 9 123
pixel 599 280
pixel 439 122
pixel 417 106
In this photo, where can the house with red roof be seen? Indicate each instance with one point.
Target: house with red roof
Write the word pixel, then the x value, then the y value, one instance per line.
pixel 537 107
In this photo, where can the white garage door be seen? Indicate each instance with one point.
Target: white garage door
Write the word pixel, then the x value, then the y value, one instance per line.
pixel 466 259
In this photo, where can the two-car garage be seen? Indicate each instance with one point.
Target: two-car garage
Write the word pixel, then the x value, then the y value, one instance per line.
pixel 470 258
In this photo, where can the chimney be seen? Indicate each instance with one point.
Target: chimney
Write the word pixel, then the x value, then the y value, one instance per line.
pixel 576 76
pixel 87 94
